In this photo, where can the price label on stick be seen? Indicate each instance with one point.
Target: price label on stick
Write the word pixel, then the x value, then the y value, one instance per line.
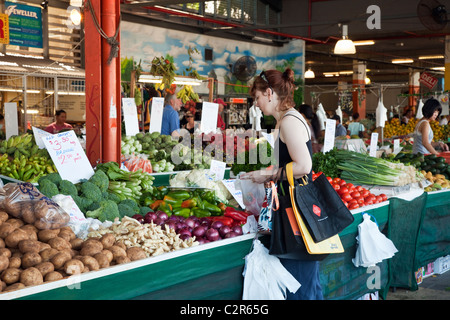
pixel 156 115
pixel 373 144
pixel 38 134
pixel 209 117
pixel 68 156
pixel 130 116
pixel 330 129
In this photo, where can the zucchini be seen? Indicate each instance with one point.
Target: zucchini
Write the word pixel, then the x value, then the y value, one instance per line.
pixel 440 165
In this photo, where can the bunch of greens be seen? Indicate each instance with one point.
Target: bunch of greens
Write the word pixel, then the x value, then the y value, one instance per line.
pixel 326 163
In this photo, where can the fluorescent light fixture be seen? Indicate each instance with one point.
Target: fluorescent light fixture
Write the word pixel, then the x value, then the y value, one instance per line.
pixel 438 56
pixel 33 111
pixel 364 43
pixel 18 90
pixel 345 45
pixel 331 74
pixel 148 78
pixel 346 72
pixel 438 68
pixel 76 3
pixel 403 61
pixel 309 74
pixel 67 93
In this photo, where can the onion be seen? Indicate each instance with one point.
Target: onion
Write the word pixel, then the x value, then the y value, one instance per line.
pixel 192 223
pixel 237 229
pixel 224 230
pixel 201 240
pixel 199 231
pixel 139 218
pixel 171 224
pixel 231 234
pixel 151 216
pixel 184 237
pixel 158 221
pixel 212 234
pixel 184 231
pixel 162 215
pixel 217 224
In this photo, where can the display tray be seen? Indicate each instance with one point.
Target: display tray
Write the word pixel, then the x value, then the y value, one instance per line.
pixel 156 277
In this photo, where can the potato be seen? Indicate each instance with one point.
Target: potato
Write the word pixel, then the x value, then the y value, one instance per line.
pixel 2 243
pixel 11 275
pixel 46 235
pixel 14 287
pixel 60 259
pixel 48 253
pixel 13 239
pixel 2 286
pixel 5 229
pixel 120 244
pixel 32 231
pixel 90 262
pixel 102 259
pixel 16 222
pixel 5 252
pixel 122 259
pixel 135 253
pixel 29 246
pixel 45 268
pixel 73 266
pixel 108 240
pixel 67 234
pixel 15 262
pixel 76 243
pixel 30 259
pixel 59 243
pixel 43 246
pixel 3 216
pixel 53 276
pixel 117 252
pixel 4 263
pixel 91 247
pixel 108 254
pixel 31 277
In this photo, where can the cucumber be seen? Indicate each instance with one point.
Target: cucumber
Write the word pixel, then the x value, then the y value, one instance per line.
pixel 440 165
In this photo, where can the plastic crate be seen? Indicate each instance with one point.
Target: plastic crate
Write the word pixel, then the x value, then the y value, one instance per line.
pixel 445 155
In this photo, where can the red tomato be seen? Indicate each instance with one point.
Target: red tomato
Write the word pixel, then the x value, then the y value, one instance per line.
pixel 346 203
pixel 355 194
pixel 359 188
pixel 336 187
pixel 346 197
pixel 365 192
pixel 379 198
pixel 350 185
pixel 330 180
pixel 342 183
pixel 336 180
pixel 353 206
pixel 343 190
pixel 383 196
pixel 352 201
pixel 360 200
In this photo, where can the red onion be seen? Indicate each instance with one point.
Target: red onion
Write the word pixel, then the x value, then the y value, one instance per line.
pixel 201 240
pixel 212 234
pixel 139 218
pixel 199 231
pixel 237 229
pixel 151 216
pixel 162 215
pixel 192 223
pixel 217 224
pixel 231 234
pixel 224 230
pixel 184 237
pixel 184 231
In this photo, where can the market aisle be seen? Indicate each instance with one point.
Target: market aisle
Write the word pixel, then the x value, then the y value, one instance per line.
pixel 435 287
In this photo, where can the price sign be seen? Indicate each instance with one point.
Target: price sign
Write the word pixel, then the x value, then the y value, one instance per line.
pixel 373 144
pixel 130 116
pixel 156 115
pixel 330 128
pixel 38 134
pixel 68 156
pixel 209 117
pixel 217 170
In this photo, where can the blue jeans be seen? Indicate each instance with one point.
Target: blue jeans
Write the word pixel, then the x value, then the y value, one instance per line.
pixel 307 273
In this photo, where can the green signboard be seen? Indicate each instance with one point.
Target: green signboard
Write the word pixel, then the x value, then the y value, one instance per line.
pixel 25 25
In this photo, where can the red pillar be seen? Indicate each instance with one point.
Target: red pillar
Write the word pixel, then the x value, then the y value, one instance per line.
pixel 103 117
pixel 359 82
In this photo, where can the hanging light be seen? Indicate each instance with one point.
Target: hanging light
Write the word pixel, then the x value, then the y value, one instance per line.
pixel 75 16
pixel 345 45
pixel 309 74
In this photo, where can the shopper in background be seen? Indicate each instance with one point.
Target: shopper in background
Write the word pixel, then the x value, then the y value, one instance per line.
pixel 220 122
pixel 171 119
pixel 340 129
pixel 355 128
pixel 190 124
pixel 423 134
pixel 273 93
pixel 59 124
pixel 313 122
pixel 406 116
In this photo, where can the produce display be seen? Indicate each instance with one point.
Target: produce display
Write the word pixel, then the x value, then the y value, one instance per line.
pixel 395 128
pixel 21 159
pixel 428 163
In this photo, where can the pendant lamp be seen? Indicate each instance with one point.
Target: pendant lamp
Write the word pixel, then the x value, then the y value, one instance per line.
pixel 345 45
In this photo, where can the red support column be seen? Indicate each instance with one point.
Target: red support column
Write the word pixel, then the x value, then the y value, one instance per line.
pixel 359 82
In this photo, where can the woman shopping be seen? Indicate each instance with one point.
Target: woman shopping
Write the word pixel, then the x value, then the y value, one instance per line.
pixel 273 94
pixel 423 134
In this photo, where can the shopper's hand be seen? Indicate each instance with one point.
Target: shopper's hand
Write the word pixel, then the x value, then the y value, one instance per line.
pixel 260 176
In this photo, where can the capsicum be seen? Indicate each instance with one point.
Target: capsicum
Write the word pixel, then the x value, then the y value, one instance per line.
pixel 175 203
pixel 179 194
pixel 209 196
pixel 215 210
pixel 227 221
pixel 190 203
pixel 200 213
pixel 182 212
pixel 165 207
pixel 235 214
pixel 155 204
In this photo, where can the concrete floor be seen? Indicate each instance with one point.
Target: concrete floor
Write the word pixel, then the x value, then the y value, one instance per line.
pixel 435 287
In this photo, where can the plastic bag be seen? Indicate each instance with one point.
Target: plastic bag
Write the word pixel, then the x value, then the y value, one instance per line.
pixel 271 199
pixel 253 195
pixel 134 163
pixel 265 278
pixel 373 246
pixel 24 201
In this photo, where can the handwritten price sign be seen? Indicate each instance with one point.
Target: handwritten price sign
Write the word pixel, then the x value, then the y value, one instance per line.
pixel 68 156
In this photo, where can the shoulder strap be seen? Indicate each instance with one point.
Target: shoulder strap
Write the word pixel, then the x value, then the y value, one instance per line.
pixel 289 113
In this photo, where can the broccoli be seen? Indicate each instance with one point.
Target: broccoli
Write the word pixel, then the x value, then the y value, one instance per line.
pixel 48 188
pixel 82 203
pixel 132 204
pixel 91 191
pixel 125 210
pixel 108 211
pixel 53 177
pixel 67 188
pixel 144 210
pixel 93 206
pixel 101 180
pixel 112 196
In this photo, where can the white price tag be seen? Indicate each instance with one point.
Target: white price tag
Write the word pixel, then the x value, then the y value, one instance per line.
pixel 156 115
pixel 236 193
pixel 130 116
pixel 38 134
pixel 330 129
pixel 373 144
pixel 209 117
pixel 217 170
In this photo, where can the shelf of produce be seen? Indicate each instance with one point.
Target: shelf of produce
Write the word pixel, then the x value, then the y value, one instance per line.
pixel 162 178
pixel 208 271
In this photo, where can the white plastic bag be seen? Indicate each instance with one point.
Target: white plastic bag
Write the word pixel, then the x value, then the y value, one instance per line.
pixel 253 194
pixel 265 278
pixel 373 246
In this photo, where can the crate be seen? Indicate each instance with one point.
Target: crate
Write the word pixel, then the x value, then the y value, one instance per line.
pixel 446 155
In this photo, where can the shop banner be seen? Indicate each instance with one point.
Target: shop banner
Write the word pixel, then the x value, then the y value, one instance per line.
pixel 25 25
pixel 428 80
pixel 4 29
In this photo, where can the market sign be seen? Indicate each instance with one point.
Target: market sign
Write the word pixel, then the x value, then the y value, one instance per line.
pixel 25 25
pixel 428 80
pixel 4 28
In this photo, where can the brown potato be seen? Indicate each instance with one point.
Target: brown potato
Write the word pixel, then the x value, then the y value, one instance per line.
pixel 59 243
pixel 120 244
pixel 117 252
pixel 108 254
pixel 3 216
pixel 4 263
pixel 2 243
pixel 122 259
pixel 48 253
pixel 5 252
pixel 29 246
pixel 31 277
pixel 108 240
pixel 91 247
pixel 76 243
pixel 13 239
pixel 45 267
pixel 5 229
pixel 15 262
pixel 60 259
pixel 53 276
pixel 90 262
pixel 73 266
pixel 43 246
pixel 46 235
pixel 28 214
pixel 11 275
pixel 16 222
pixel 2 286
pixel 30 259
pixel 14 287
pixel 136 253
pixel 102 259
pixel 67 235
pixel 32 231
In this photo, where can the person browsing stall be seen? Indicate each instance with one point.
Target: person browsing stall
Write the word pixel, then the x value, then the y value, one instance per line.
pixel 273 93
pixel 190 123
pixel 340 129
pixel 423 134
pixel 59 124
pixel 171 119
pixel 355 128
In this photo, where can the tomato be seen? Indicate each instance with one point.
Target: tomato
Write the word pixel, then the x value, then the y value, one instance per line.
pixel 368 202
pixel 359 188
pixel 342 183
pixel 330 180
pixel 346 196
pixel 379 198
pixel 355 194
pixel 336 180
pixel 343 190
pixel 353 206
pixel 365 192
pixel 349 185
pixel 352 201
pixel 383 197
pixel 345 203
pixel 336 187
pixel 360 200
